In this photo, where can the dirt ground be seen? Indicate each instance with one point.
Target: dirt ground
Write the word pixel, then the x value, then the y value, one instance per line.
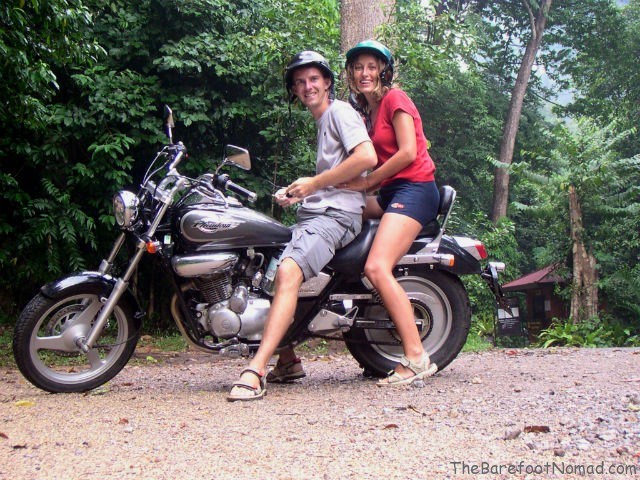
pixel 563 413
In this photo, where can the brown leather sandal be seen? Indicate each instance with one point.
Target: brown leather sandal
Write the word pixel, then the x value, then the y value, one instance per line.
pixel 243 392
pixel 287 372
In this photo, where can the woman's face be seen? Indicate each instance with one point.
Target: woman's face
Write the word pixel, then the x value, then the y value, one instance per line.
pixel 366 72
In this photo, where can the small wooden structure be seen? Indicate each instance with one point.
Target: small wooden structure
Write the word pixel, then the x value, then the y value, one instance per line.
pixel 542 304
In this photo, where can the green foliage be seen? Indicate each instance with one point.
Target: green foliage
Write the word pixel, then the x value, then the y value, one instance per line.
pixel 476 343
pixel 600 62
pixel 163 343
pixel 593 332
pixel 425 42
pixel 42 223
pixel 483 325
pixel 81 107
pixel 462 119
pixel 589 333
pixel 6 353
pixel 585 157
pixel 505 31
pixel 37 38
pixel 621 288
pixel 84 81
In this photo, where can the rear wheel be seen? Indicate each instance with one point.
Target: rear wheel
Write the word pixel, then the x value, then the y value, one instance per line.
pixel 443 315
pixel 46 336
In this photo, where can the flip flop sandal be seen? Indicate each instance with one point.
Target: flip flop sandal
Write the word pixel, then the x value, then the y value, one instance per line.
pixel 286 372
pixel 256 393
pixel 421 370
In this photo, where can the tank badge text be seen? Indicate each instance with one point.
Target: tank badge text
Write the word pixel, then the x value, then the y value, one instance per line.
pixel 213 226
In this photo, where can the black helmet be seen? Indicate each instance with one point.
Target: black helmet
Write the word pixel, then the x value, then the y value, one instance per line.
pixel 378 50
pixel 307 58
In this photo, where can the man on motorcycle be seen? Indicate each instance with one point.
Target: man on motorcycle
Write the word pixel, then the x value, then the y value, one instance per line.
pixel 328 218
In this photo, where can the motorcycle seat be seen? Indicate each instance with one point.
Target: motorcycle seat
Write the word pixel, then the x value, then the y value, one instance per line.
pixel 352 258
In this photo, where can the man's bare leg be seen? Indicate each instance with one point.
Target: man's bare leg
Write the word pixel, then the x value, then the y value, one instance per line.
pixel 288 281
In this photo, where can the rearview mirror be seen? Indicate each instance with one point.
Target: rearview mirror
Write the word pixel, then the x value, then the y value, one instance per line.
pixel 237 156
pixel 168 123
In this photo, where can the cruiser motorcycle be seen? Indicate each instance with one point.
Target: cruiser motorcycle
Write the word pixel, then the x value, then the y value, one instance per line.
pixel 221 257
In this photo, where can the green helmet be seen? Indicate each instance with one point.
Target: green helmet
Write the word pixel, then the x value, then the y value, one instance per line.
pixel 378 50
pixel 307 58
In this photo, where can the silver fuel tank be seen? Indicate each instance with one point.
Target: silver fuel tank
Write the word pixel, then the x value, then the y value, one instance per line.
pixel 213 227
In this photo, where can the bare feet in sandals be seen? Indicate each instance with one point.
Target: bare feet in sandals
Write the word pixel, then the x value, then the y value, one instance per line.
pixel 251 386
pixel 408 372
pixel 286 372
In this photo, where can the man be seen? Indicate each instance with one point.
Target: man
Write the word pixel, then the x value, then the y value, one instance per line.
pixel 328 219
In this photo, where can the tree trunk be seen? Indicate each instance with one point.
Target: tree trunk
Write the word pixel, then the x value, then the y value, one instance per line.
pixel 512 122
pixel 359 18
pixel 584 292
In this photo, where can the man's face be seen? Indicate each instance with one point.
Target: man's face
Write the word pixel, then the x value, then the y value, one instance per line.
pixel 311 87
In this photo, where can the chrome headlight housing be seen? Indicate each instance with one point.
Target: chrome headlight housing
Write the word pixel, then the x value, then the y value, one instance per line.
pixel 125 208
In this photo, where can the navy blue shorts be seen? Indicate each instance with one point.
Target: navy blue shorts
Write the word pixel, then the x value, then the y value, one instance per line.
pixel 418 200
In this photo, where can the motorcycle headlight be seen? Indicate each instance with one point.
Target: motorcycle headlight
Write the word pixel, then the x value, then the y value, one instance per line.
pixel 125 208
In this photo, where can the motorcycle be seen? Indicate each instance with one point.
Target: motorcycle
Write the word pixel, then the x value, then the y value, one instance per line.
pixel 221 258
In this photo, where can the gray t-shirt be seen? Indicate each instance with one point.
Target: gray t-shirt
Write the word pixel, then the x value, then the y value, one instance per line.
pixel 340 130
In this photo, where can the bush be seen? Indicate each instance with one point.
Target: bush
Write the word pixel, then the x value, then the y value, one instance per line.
pixel 594 332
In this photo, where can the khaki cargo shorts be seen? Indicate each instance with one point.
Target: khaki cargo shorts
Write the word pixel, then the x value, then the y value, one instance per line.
pixel 317 236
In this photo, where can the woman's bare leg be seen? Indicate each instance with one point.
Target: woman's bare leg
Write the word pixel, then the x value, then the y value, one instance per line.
pixel 393 239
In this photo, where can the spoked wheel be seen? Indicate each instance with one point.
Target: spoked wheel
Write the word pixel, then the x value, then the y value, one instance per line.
pixel 443 317
pixel 46 336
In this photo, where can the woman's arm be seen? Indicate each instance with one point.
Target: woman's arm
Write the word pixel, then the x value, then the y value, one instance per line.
pixel 362 158
pixel 407 148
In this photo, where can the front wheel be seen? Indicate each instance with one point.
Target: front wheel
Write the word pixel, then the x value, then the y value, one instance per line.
pixel 46 337
pixel 442 312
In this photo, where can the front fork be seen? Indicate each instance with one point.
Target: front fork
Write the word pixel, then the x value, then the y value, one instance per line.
pixel 107 263
pixel 87 343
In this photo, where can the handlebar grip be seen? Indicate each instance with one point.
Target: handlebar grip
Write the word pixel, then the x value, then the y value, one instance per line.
pixel 248 194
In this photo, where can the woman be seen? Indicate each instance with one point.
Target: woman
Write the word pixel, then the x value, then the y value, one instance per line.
pixel 407 196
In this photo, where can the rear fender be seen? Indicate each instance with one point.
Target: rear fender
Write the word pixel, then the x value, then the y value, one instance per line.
pixel 96 282
pixel 465 263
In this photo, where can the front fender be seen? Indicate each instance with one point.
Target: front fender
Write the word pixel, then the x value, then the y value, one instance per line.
pixel 98 283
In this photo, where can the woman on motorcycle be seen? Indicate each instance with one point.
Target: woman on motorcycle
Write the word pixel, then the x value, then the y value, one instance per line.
pixel 407 196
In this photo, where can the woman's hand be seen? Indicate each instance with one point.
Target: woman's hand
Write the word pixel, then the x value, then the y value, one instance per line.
pixel 358 184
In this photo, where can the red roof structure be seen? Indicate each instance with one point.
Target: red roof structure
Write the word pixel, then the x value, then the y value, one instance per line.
pixel 534 280
pixel 542 302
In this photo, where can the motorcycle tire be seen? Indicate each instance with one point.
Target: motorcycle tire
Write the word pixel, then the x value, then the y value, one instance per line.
pixel 44 341
pixel 442 310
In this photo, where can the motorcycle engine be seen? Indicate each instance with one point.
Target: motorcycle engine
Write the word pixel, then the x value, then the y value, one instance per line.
pixel 228 312
pixel 242 315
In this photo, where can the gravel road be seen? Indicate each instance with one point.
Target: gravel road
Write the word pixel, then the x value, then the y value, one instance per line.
pixel 565 413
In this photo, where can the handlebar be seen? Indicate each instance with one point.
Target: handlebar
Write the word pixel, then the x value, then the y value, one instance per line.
pixel 217 181
pixel 223 182
pixel 180 151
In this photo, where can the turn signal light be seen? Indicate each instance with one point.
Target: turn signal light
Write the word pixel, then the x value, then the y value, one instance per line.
pixel 446 259
pixel 153 247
